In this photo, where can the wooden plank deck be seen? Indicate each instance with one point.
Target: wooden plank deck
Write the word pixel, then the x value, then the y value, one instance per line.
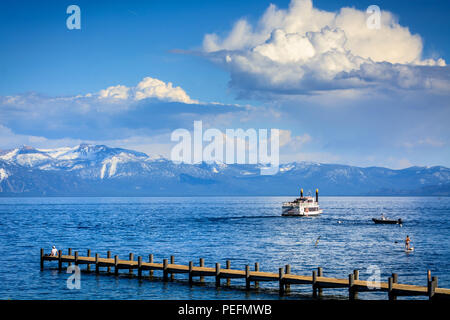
pixel 331 282
pixel 317 280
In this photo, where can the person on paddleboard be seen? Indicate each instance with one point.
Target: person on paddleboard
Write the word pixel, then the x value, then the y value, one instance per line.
pixel 407 242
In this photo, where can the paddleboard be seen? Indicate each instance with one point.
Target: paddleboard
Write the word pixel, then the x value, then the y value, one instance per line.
pixel 409 250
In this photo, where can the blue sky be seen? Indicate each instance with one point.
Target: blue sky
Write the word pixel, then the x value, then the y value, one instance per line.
pixel 376 99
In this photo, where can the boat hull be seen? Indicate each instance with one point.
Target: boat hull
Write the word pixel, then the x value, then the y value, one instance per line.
pixel 380 221
pixel 295 212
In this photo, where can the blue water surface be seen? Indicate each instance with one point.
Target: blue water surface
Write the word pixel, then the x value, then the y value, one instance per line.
pixel 244 230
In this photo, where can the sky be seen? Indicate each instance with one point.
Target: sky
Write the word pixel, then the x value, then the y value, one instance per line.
pixel 340 90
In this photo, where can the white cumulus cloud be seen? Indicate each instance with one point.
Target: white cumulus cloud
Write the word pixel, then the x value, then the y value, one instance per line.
pixel 154 88
pixel 147 88
pixel 118 92
pixel 303 49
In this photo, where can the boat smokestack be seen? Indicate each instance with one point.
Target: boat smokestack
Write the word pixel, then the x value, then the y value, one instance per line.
pixel 301 193
pixel 317 195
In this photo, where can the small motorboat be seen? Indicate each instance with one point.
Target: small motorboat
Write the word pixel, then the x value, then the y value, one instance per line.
pixel 386 221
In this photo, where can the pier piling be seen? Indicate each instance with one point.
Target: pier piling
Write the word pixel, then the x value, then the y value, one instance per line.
pixel 70 254
pixel 247 277
pixel 140 267
pixel 432 285
pixel 172 261
pixel 217 275
pixel 351 288
pixel 42 259
pixel 355 278
pixel 393 296
pixel 165 274
pixel 191 266
pixel 116 265
pixel 256 269
pixel 280 281
pixel 319 274
pixel 228 268
pixel 287 270
pixel 395 278
pixel 314 283
pixel 108 255
pixel 131 258
pixel 59 260
pixel 97 265
pixel 202 264
pixel 391 288
pixel 88 266
pixel 150 260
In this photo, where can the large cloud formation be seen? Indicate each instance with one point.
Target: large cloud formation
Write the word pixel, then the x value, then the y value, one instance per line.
pixel 151 107
pixel 303 50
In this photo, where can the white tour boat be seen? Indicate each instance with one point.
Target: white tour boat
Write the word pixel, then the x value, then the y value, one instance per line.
pixel 303 206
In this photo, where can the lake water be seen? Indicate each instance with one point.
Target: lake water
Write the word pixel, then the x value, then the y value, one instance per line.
pixel 244 230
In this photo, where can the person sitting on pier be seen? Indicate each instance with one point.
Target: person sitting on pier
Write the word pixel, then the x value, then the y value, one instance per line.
pixel 54 252
pixel 407 242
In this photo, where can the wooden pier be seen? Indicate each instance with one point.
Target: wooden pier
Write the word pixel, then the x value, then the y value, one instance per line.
pixel 285 279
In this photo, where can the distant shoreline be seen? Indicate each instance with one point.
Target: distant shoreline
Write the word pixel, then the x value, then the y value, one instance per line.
pixel 224 196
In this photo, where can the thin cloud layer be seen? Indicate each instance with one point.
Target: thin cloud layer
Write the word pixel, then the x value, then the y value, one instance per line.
pixel 303 50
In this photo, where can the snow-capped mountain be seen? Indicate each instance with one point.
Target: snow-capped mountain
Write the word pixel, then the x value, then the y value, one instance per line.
pixel 98 170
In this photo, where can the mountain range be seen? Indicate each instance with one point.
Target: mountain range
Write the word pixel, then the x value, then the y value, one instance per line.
pixel 99 170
